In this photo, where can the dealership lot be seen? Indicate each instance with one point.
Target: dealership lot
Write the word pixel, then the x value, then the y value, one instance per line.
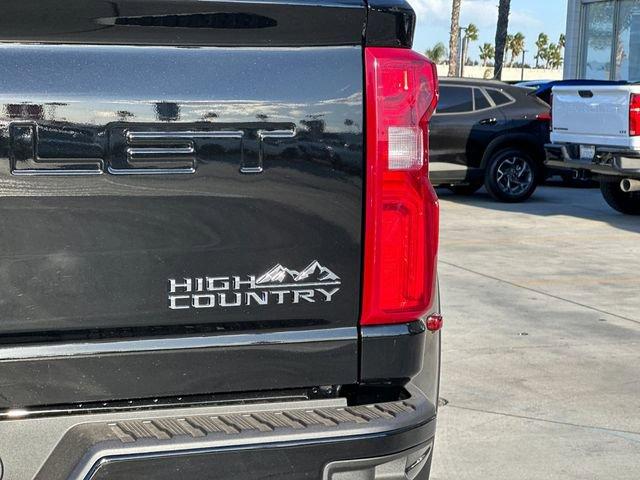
pixel 541 347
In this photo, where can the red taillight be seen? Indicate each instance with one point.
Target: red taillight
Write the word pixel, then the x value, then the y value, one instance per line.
pixel 545 116
pixel 634 115
pixel 548 116
pixel 401 211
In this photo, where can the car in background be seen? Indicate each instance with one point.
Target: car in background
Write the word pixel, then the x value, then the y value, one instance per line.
pixel 534 84
pixel 486 132
pixel 596 128
pixel 545 91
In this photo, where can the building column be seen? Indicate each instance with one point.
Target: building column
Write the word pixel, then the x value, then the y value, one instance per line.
pixel 572 49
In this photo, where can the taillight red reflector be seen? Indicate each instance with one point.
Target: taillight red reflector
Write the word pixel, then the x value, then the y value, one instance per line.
pixel 434 322
pixel 545 117
pixel 634 115
pixel 401 208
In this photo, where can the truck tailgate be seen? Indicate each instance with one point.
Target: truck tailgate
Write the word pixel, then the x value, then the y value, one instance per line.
pixel 175 220
pixel 591 114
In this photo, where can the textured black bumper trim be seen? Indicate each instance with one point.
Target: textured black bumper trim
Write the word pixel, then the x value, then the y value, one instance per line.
pixel 88 444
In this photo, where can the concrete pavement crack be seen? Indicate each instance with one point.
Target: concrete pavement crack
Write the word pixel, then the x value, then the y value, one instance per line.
pixel 543 420
pixel 540 292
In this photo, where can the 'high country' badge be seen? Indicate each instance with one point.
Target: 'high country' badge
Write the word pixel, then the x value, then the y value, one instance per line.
pixel 279 285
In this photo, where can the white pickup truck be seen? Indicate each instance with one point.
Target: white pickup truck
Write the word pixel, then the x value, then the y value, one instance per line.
pixel 597 128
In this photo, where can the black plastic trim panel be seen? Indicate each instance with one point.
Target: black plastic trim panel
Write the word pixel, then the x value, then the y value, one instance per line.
pixel 390 23
pixel 392 352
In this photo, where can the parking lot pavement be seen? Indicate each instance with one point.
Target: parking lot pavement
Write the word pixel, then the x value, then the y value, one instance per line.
pixel 541 345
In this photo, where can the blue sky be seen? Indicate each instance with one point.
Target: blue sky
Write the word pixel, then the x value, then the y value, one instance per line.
pixel 527 16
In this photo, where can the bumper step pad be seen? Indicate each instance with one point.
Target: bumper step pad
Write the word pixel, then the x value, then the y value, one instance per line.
pixel 88 444
pixel 203 425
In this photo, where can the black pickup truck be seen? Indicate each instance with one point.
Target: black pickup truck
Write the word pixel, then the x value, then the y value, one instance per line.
pixel 219 241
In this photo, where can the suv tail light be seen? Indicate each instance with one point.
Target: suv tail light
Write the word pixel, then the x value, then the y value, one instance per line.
pixel 634 115
pixel 548 115
pixel 401 208
pixel 544 116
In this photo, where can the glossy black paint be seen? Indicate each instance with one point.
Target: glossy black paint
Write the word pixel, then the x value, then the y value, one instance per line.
pixel 257 364
pixel 95 251
pixel 185 22
pixel 469 139
pixel 91 235
pixel 404 350
pixel 390 23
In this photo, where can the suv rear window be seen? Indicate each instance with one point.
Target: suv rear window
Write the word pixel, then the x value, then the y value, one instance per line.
pixel 455 100
pixel 498 97
pixel 480 100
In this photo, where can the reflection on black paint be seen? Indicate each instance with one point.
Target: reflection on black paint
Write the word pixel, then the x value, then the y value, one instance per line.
pixel 255 23
pixel 201 20
pixel 25 111
pixel 125 115
pixel 314 127
pixel 167 111
pixel 112 240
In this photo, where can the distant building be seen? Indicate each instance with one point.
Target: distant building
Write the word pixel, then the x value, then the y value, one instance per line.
pixel 603 40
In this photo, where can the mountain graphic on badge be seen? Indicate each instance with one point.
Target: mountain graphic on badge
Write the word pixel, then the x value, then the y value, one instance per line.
pixel 278 274
pixel 314 272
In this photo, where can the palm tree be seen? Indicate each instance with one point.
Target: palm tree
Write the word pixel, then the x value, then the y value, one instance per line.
pixel 541 45
pixel 487 52
pixel 470 35
pixel 501 36
pixel 454 38
pixel 554 56
pixel 517 46
pixel 508 41
pixel 562 41
pixel 471 32
pixel 437 53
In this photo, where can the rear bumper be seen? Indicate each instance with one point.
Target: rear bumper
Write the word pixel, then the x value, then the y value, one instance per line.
pixel 306 439
pixel 608 160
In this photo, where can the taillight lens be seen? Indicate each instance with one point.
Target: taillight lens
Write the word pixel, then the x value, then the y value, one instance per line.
pixel 634 115
pixel 544 116
pixel 401 208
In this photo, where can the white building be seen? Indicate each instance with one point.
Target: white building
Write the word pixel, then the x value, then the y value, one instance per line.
pixel 603 40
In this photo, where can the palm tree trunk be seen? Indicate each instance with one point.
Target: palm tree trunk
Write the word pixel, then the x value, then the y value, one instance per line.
pixel 501 36
pixel 463 57
pixel 454 38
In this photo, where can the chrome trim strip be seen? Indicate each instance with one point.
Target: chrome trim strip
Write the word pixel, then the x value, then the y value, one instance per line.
pixel 54 172
pixel 277 133
pixel 150 171
pixel 159 152
pixel 146 137
pixel 40 351
pixel 263 134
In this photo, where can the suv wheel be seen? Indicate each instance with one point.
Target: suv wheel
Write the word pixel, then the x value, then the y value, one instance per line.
pixel 511 175
pixel 624 202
